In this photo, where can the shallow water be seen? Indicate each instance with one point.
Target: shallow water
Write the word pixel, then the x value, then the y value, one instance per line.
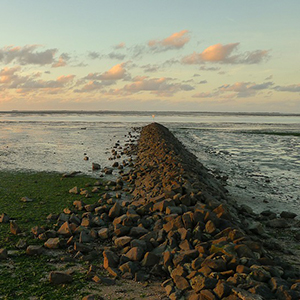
pixel 259 153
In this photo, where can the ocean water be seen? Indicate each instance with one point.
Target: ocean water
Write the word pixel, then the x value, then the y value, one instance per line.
pixel 258 153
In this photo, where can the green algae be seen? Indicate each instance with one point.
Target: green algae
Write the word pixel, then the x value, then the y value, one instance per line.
pixel 23 276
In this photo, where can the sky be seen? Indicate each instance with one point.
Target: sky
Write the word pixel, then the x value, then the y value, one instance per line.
pixel 195 55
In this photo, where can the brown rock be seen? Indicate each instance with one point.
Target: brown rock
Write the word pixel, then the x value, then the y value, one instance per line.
pixel 74 190
pixel 103 233
pixel 14 228
pixel 135 254
pixel 122 241
pixel 52 243
pixel 181 283
pixel 4 218
pixel 200 282
pixel 65 229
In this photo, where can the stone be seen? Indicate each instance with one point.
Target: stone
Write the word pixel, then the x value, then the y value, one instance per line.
pixel 141 276
pixel 278 223
pixel 57 277
pixel 181 283
pixel 14 228
pixel 21 244
pixel 210 227
pixel 222 290
pixel 150 259
pixel 115 211
pixel 95 167
pixel 103 233
pixel 26 199
pixel 288 215
pixel 34 250
pixel 79 205
pixel 4 218
pixel 138 231
pixel 129 267
pixel 52 243
pixel 135 254
pixel 111 259
pixel 200 282
pixel 74 190
pixel 3 253
pixel 85 236
pixel 65 230
pixel 122 241
pixel 207 295
pixel 262 290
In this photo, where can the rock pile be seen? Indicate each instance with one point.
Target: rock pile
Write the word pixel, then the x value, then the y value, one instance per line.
pixel 181 226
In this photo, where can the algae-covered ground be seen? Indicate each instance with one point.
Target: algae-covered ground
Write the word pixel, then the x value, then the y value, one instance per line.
pixel 23 276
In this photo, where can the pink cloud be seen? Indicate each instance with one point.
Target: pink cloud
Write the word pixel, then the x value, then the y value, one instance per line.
pixel 175 41
pixel 116 72
pixel 60 63
pixel 219 53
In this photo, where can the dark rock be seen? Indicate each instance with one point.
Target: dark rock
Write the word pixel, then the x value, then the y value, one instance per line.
pixel 3 254
pixel 110 259
pixel 60 277
pixel 34 250
pixel 288 215
pixel 278 223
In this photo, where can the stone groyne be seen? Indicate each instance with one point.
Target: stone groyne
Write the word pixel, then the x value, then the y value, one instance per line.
pixel 182 227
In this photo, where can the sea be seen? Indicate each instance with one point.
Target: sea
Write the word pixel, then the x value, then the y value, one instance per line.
pixel 257 155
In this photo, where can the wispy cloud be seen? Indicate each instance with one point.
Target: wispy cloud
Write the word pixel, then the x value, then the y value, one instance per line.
pixel 224 54
pixel 175 41
pixel 164 87
pixel 294 88
pixel 120 46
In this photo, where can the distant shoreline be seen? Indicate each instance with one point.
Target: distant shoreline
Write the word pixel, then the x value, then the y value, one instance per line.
pixel 147 112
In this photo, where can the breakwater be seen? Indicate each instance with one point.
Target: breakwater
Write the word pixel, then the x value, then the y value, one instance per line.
pixel 182 226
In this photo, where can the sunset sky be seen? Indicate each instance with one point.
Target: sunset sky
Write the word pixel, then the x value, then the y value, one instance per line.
pixel 211 55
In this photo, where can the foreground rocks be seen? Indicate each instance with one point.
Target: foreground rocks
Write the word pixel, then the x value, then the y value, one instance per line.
pixel 179 226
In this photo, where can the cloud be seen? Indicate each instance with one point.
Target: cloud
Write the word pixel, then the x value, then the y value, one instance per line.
pixel 294 88
pixel 120 46
pixel 203 82
pixel 204 68
pixel 12 79
pixel 111 55
pixel 150 68
pixel 27 55
pixel 245 89
pixel 94 55
pixel 116 72
pixel 60 63
pixel 158 86
pixel 175 41
pixel 114 55
pixel 205 95
pixel 219 53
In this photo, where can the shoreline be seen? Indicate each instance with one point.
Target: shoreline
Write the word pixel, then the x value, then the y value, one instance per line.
pixel 182 227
